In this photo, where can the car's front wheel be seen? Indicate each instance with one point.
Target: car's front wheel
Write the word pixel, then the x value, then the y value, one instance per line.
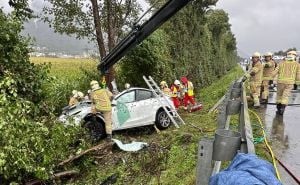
pixel 95 128
pixel 162 120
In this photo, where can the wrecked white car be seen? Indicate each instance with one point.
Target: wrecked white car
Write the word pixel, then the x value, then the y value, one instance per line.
pixel 134 107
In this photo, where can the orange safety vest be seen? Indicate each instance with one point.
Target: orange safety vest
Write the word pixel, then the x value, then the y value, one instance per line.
pixel 101 99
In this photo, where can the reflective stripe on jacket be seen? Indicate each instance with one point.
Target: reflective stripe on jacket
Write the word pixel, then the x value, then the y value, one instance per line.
pixel 101 99
pixel 288 72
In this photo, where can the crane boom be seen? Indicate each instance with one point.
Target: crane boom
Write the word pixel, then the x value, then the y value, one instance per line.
pixel 140 33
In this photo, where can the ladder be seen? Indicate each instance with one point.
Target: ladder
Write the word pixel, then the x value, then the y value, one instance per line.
pixel 170 110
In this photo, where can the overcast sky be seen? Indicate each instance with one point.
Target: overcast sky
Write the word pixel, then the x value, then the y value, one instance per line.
pixel 264 25
pixel 259 25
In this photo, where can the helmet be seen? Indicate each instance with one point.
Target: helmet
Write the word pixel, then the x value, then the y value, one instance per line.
pixel 94 85
pixel 80 94
pixel 176 82
pixel 292 53
pixel 94 82
pixel 256 54
pixel 74 92
pixel 268 54
pixel 184 79
pixel 163 83
pixel 127 86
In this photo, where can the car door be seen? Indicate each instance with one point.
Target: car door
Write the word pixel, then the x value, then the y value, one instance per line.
pixel 146 106
pixel 124 111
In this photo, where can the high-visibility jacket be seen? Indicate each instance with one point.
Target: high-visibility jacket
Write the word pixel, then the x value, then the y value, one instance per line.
pixel 268 69
pixel 189 88
pixel 257 68
pixel 101 99
pixel 174 91
pixel 288 72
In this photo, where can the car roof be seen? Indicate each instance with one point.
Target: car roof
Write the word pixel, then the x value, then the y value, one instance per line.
pixel 131 89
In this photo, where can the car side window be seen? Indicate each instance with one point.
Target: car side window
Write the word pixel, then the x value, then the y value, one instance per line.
pixel 127 97
pixel 143 95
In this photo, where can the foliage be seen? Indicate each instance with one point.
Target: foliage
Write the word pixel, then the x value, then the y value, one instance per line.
pixel 31 141
pixel 81 18
pixel 65 76
pixel 21 9
pixel 29 148
pixel 283 53
pixel 14 59
pixel 198 44
pixel 152 57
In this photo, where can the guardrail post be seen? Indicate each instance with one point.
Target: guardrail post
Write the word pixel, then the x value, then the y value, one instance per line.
pixel 204 164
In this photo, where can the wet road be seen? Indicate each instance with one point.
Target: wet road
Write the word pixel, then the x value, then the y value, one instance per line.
pixel 284 133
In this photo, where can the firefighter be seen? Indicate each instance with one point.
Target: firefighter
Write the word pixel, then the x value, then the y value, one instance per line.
pixel 127 86
pixel 101 99
pixel 76 97
pixel 269 67
pixel 255 75
pixel 175 93
pixel 188 92
pixel 288 72
pixel 164 87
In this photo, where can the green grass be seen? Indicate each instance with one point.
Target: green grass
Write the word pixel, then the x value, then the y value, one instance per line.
pixel 66 68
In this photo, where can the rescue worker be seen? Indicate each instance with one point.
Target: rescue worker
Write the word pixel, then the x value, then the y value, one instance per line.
pixel 255 75
pixel 188 89
pixel 175 93
pixel 288 72
pixel 164 87
pixel 127 86
pixel 76 97
pixel 269 67
pixel 101 99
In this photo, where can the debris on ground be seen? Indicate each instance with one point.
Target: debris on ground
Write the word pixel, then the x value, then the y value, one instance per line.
pixel 130 147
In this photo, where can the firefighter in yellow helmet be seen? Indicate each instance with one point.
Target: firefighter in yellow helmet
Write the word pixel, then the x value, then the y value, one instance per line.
pixel 164 87
pixel 288 72
pixel 76 97
pixel 101 99
pixel 269 67
pixel 255 75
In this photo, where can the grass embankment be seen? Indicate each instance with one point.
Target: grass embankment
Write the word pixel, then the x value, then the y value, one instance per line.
pixel 172 155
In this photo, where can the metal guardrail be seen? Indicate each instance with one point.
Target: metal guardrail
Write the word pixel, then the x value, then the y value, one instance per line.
pixel 210 150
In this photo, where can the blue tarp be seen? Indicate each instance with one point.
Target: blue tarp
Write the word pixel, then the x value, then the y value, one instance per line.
pixel 246 169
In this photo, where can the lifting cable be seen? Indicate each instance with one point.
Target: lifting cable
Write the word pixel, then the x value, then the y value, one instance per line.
pixel 267 144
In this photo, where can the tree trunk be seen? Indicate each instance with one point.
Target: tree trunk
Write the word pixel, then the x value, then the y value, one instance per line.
pixel 99 34
pixel 111 37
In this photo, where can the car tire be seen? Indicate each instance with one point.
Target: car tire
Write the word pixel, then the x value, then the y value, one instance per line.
pixel 162 120
pixel 95 128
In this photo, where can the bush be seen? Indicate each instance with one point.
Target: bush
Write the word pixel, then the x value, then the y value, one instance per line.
pixel 31 142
